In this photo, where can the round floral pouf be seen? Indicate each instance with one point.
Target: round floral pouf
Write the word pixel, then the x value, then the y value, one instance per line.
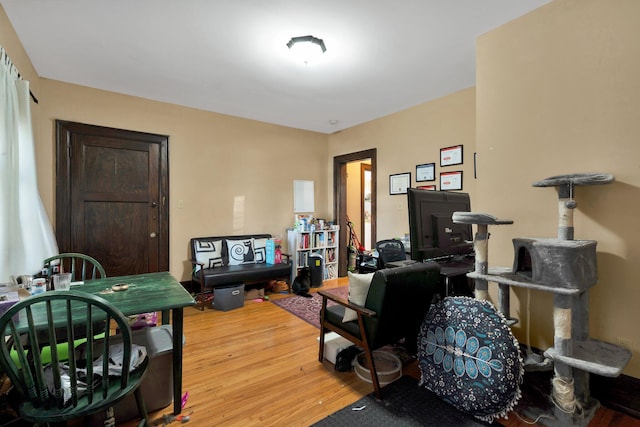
pixel 469 357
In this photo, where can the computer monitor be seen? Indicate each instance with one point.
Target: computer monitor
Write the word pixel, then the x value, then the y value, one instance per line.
pixel 433 234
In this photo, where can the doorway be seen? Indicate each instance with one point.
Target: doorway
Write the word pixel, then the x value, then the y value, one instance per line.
pixel 341 192
pixel 112 197
pixel 365 205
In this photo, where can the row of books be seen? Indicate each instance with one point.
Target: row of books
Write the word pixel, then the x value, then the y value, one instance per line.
pixel 313 240
pixel 316 240
pixel 303 257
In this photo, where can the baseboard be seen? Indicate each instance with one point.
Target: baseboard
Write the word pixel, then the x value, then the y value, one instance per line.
pixel 621 393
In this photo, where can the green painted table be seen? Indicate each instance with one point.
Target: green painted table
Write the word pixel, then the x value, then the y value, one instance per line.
pixel 148 293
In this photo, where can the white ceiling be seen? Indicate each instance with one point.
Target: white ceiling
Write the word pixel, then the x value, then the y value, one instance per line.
pixel 230 56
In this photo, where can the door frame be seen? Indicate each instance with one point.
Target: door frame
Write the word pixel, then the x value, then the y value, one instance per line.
pixel 340 199
pixel 364 168
pixel 63 181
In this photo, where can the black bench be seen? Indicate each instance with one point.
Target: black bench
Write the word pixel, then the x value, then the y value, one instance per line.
pixel 220 261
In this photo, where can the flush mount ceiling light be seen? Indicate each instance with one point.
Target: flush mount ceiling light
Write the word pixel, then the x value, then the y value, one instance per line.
pixel 306 48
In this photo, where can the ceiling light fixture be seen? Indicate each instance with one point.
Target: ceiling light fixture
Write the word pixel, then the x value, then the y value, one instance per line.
pixel 306 48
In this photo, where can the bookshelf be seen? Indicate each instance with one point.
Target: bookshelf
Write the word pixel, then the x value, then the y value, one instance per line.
pixel 304 244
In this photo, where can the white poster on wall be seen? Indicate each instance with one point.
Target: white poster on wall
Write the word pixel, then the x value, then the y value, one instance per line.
pixel 303 196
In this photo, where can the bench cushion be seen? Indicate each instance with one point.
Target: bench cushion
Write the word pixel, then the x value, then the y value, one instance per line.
pixel 244 273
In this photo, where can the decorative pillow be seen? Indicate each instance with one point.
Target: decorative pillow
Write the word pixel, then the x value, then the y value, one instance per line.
pixel 240 251
pixel 469 357
pixel 208 252
pixel 358 290
pixel 260 250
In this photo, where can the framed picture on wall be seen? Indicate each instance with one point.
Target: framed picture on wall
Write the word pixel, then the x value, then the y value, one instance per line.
pixel 426 172
pixel 451 155
pixel 399 182
pixel 451 181
pixel 427 187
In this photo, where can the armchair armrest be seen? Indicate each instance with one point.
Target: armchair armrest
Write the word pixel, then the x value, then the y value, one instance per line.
pixel 344 302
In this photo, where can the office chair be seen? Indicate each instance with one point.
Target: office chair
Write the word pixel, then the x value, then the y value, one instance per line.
pixel 390 250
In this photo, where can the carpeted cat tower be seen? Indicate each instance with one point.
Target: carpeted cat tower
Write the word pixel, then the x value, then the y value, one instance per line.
pixel 567 268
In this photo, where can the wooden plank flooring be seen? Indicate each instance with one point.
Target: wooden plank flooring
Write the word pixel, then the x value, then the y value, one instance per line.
pixel 257 366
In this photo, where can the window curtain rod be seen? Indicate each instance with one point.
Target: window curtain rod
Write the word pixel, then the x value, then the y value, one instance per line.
pixel 9 63
pixel 33 97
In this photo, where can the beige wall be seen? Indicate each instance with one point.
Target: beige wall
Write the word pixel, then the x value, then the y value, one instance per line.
pixel 409 138
pixel 214 162
pixel 557 93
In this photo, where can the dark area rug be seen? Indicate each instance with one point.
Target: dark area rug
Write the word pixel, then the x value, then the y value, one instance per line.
pixel 308 309
pixel 403 404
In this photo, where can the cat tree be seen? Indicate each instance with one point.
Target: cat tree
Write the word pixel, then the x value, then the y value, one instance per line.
pixel 567 268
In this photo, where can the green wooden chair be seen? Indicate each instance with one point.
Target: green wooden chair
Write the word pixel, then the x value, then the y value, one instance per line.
pixel 57 392
pixel 82 267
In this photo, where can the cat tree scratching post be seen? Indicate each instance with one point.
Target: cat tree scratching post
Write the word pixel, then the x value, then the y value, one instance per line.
pixel 566 268
pixel 481 249
pixel 571 313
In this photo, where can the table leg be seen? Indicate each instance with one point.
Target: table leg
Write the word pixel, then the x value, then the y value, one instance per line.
pixel 165 317
pixel 178 329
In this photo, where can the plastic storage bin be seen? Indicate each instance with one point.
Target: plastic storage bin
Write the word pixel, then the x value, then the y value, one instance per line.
pixel 334 344
pixel 228 298
pixel 157 386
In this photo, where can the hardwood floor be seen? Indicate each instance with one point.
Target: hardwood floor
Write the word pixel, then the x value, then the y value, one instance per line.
pixel 257 366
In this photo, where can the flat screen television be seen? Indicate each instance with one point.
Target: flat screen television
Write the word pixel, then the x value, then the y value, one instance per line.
pixel 433 234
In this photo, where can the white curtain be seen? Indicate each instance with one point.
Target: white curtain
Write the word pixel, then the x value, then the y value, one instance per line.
pixel 26 235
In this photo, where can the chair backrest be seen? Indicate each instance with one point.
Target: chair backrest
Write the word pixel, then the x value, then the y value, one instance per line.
pixel 401 297
pixel 390 250
pixel 81 266
pixel 51 391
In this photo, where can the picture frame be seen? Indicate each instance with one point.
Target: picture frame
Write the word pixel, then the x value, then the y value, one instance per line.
pixel 450 181
pixel 427 187
pixel 426 172
pixel 399 182
pixel 451 155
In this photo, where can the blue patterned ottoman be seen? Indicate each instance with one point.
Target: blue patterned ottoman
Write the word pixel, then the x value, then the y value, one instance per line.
pixel 469 357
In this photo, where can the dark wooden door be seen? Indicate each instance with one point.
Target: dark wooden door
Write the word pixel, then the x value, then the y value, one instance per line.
pixel 112 197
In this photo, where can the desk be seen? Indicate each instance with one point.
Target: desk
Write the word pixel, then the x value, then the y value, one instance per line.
pixel 449 270
pixel 454 269
pixel 147 293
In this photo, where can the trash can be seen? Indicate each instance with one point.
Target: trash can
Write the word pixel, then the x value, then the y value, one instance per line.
pixel 315 270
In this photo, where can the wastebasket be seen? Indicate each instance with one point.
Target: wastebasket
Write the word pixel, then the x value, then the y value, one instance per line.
pixel 315 270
